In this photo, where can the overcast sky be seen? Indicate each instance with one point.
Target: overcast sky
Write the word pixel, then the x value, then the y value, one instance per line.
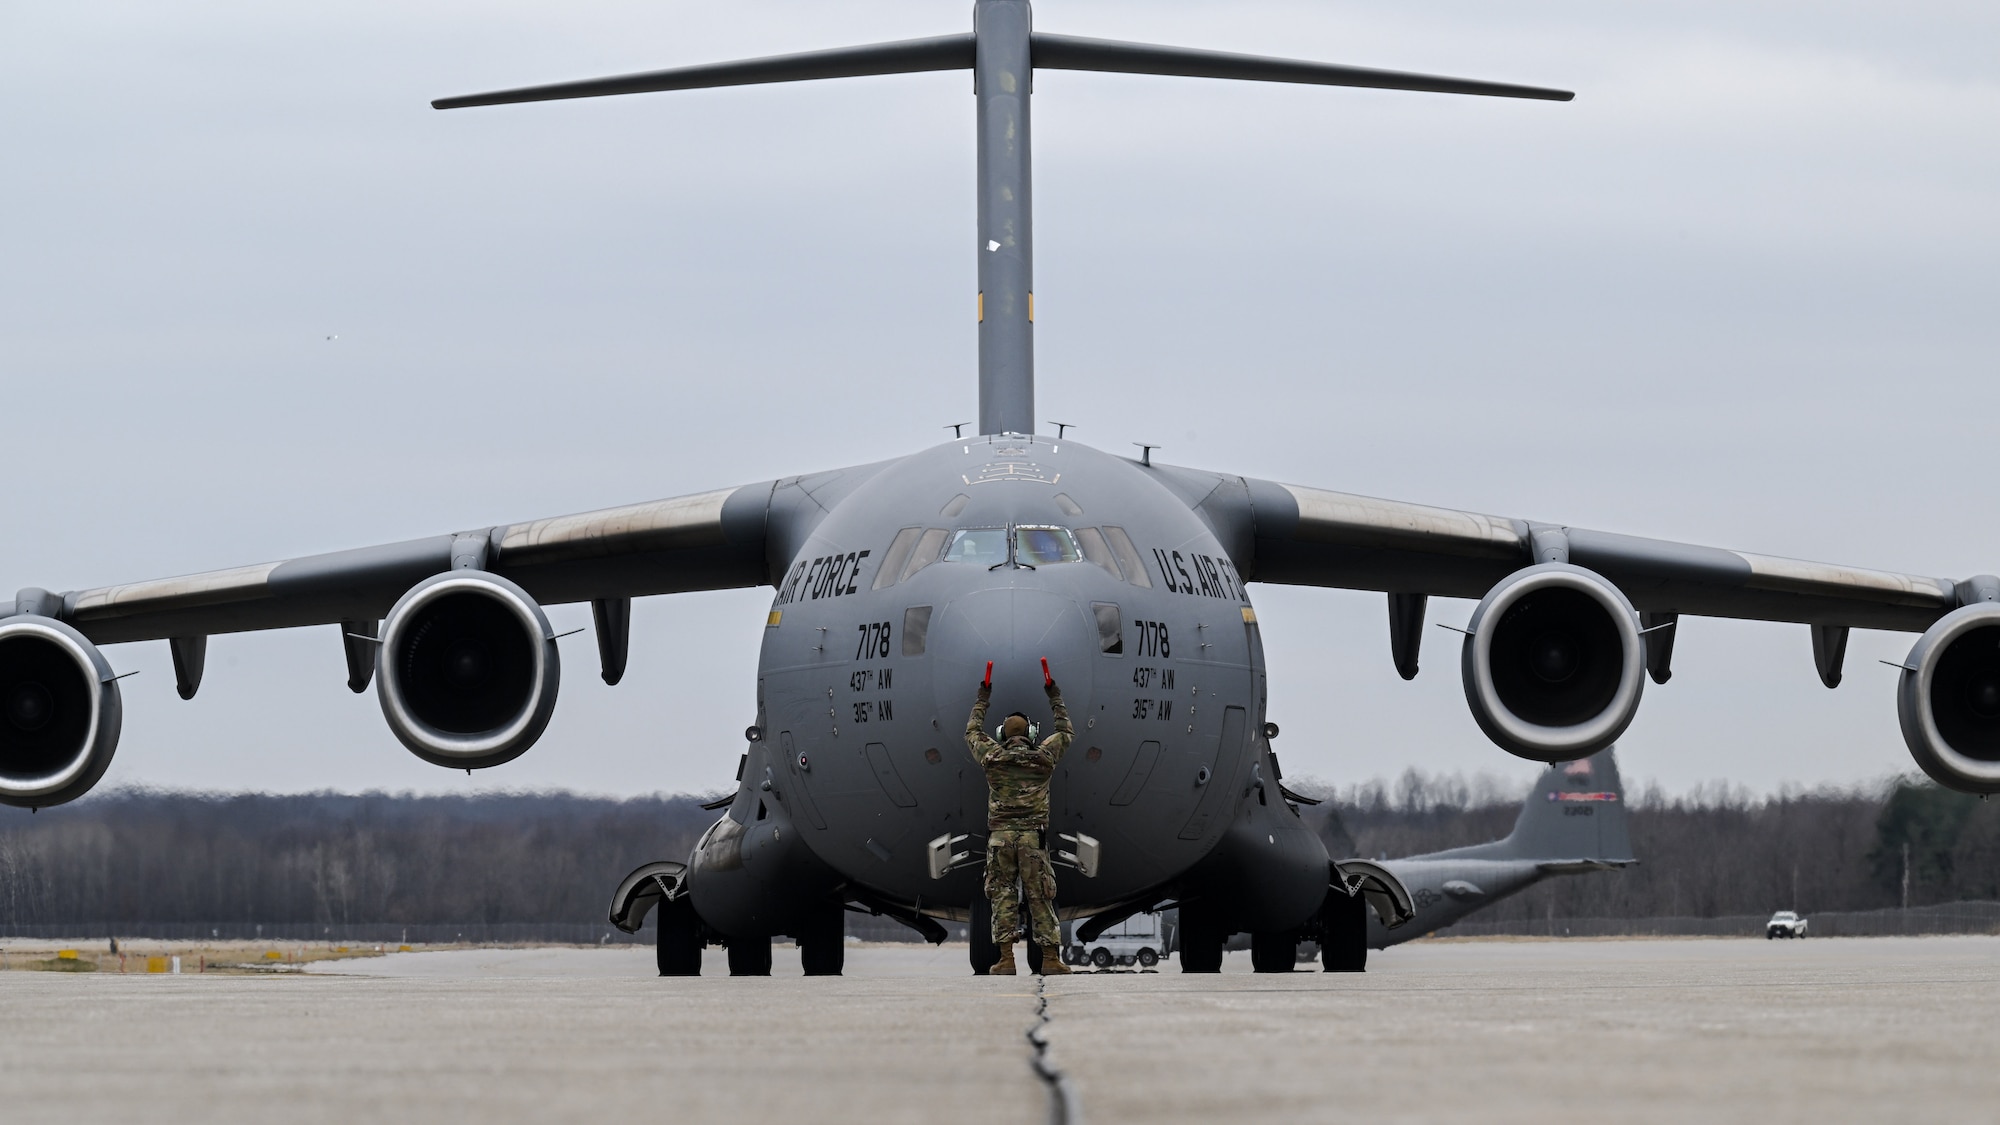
pixel 1741 292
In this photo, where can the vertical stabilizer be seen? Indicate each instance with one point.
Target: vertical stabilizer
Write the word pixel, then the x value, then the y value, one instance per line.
pixel 1003 79
pixel 1575 811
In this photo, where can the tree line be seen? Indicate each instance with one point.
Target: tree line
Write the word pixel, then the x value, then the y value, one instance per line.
pixel 331 859
pixel 141 856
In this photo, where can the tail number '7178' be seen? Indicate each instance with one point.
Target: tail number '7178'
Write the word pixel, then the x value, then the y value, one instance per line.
pixel 873 643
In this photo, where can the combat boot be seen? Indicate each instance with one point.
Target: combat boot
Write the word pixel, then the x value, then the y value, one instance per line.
pixel 1004 967
pixel 1052 964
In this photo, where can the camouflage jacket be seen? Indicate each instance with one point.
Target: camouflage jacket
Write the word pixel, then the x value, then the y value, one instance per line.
pixel 1018 771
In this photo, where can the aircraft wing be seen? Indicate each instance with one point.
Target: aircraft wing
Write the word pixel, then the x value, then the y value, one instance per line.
pixel 714 540
pixel 1572 621
pixel 1303 536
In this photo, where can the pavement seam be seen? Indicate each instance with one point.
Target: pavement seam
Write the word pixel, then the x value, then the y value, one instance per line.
pixel 1064 1106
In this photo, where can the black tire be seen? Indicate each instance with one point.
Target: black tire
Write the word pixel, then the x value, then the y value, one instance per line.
pixel 1101 957
pixel 979 935
pixel 1201 939
pixel 750 956
pixel 1148 958
pixel 677 946
pixel 1343 921
pixel 823 940
pixel 1274 953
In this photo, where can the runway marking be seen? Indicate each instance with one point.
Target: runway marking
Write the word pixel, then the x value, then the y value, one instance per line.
pixel 1064 1106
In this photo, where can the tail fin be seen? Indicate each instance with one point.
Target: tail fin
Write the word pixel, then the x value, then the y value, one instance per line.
pixel 1576 811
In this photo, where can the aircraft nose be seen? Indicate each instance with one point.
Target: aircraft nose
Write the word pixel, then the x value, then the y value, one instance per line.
pixel 1014 629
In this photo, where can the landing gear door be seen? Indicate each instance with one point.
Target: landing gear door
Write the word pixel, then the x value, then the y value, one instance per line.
pixel 644 889
pixel 1382 890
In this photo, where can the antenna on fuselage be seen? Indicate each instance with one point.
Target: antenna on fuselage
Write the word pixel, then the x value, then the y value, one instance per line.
pixel 1003 51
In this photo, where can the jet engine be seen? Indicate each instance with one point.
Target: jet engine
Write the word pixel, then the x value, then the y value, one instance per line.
pixel 1949 699
pixel 468 670
pixel 1553 663
pixel 59 713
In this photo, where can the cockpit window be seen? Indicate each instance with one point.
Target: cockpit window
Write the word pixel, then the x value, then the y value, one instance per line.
pixel 1040 546
pixel 1033 545
pixel 986 545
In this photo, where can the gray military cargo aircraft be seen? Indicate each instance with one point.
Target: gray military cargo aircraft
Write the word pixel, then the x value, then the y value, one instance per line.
pixel 897 580
pixel 1572 822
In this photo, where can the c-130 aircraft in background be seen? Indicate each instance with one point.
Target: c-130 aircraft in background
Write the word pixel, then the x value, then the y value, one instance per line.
pixel 897 580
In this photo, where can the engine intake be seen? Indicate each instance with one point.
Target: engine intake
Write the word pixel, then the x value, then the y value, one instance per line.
pixel 468 670
pixel 1949 699
pixel 59 713
pixel 1553 663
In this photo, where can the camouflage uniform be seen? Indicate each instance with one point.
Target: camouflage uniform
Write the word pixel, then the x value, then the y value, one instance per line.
pixel 1017 816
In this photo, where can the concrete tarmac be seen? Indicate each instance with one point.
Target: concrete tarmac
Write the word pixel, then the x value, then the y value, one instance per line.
pixel 1492 1031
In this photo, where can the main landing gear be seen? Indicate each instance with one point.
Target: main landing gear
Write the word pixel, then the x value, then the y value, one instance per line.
pixel 1274 952
pixel 1343 923
pixel 750 956
pixel 678 951
pixel 1201 939
pixel 822 939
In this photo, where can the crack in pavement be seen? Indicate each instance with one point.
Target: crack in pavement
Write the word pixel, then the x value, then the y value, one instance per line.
pixel 1064 1107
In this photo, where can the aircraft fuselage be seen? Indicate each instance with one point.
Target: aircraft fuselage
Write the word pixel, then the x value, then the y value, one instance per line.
pixel 1009 549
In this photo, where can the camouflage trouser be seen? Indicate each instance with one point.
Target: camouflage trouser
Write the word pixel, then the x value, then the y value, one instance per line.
pixel 1016 857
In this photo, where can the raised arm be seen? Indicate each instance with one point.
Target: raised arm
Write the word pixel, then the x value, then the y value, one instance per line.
pixel 1057 743
pixel 976 741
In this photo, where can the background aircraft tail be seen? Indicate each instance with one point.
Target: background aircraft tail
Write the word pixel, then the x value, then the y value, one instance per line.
pixel 1575 814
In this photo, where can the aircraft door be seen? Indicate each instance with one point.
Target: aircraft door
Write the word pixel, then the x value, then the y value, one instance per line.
pixel 1218 785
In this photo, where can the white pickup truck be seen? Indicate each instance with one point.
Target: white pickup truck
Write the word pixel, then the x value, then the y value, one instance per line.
pixel 1784 924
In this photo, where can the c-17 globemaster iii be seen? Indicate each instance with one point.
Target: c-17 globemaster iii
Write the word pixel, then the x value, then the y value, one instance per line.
pixel 896 580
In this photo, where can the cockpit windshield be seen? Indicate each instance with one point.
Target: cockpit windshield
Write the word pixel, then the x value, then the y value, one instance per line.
pixel 1040 546
pixel 1034 545
pixel 978 545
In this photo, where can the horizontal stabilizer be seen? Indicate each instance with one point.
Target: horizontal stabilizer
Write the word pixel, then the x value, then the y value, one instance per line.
pixel 1069 52
pixel 944 52
pixel 1583 866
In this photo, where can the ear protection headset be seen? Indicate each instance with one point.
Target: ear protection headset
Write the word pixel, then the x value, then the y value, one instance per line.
pixel 1034 728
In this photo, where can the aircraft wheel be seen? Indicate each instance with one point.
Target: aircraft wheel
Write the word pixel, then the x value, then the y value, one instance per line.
pixel 750 956
pixel 1101 957
pixel 1201 940
pixel 1343 921
pixel 823 944
pixel 1273 953
pixel 979 935
pixel 678 944
pixel 1148 958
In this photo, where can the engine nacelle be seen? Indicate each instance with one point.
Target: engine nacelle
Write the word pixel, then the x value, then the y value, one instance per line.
pixel 1553 663
pixel 1949 699
pixel 59 713
pixel 468 670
